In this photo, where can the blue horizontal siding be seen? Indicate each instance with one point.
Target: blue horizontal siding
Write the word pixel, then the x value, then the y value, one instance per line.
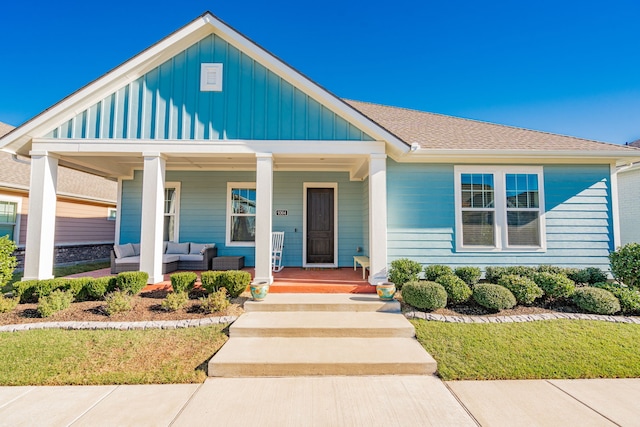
pixel 166 103
pixel 421 218
pixel 203 211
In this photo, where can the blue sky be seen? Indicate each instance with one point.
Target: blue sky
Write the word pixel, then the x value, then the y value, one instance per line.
pixel 569 67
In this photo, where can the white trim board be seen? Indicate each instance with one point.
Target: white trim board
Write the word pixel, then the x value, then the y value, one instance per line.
pixel 334 186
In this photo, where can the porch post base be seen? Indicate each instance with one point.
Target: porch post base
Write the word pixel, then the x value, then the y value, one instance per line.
pixel 267 280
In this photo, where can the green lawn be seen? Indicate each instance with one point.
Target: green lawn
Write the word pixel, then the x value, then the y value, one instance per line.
pixel 544 349
pixel 56 357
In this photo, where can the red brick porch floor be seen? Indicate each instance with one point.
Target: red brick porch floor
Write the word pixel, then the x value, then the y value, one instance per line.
pixel 289 280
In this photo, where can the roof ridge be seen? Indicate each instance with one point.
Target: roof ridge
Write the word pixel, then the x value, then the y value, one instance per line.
pixel 489 123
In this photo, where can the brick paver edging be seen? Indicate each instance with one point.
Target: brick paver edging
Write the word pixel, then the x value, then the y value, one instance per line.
pixel 158 324
pixel 412 314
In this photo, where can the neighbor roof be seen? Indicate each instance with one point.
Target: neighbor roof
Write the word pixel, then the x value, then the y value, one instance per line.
pixel 71 183
pixel 635 143
pixel 437 131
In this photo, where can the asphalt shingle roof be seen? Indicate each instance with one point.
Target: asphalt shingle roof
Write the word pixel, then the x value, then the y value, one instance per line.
pixel 70 182
pixel 437 131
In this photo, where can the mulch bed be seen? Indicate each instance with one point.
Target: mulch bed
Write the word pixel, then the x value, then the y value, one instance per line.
pixel 146 307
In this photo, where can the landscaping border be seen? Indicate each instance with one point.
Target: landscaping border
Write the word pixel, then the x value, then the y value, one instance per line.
pixel 123 326
pixel 413 314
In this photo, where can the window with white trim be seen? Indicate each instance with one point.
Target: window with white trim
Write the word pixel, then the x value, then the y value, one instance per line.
pixel 241 213
pixel 499 208
pixel 171 224
pixel 112 213
pixel 10 217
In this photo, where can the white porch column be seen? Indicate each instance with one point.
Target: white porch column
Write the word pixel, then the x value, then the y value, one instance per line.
pixel 264 220
pixel 377 218
pixel 152 216
pixel 38 262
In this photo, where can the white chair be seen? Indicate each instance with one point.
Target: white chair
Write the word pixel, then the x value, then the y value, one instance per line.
pixel 277 243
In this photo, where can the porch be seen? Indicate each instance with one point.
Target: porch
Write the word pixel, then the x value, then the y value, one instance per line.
pixel 289 280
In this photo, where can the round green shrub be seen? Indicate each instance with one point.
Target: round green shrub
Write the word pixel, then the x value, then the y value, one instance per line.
pixel 132 281
pixel 494 274
pixel 625 264
pixel 117 302
pixel 56 301
pixel 457 290
pixel 432 272
pixel 183 281
pixel 589 275
pixel 211 280
pixel 215 302
pixel 493 297
pixel 555 285
pixel 7 304
pixel 98 287
pixel 629 299
pixel 404 270
pixel 470 275
pixel 424 295
pixel 524 289
pixel 596 300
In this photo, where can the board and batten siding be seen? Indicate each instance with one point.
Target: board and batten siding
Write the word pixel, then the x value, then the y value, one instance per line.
pixel 166 103
pixel 203 210
pixel 629 205
pixel 421 218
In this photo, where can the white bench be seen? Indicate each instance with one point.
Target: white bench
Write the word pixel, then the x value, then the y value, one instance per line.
pixel 363 261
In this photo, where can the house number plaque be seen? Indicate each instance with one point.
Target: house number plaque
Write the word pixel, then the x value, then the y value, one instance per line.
pixel 281 212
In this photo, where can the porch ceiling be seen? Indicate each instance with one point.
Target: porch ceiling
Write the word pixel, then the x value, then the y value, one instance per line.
pixel 123 166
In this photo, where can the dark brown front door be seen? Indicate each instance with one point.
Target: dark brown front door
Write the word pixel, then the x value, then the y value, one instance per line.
pixel 320 232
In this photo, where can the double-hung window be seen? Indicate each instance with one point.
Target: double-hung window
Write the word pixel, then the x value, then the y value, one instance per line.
pixel 499 208
pixel 10 217
pixel 171 224
pixel 241 213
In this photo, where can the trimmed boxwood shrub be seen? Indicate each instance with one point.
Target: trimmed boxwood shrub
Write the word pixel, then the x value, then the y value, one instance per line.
pixel 524 289
pixel 555 285
pixel 457 290
pixel 210 280
pixel 56 301
pixel 589 275
pixel 493 274
pixel 132 281
pixel 424 295
pixel 184 281
pixel 625 264
pixel 432 272
pixel 404 270
pixel 236 282
pixel 98 287
pixel 596 300
pixel 470 275
pixel 78 287
pixel 629 299
pixel 8 260
pixel 25 291
pixel 493 297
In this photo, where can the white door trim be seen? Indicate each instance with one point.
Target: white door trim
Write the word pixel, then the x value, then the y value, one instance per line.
pixel 334 186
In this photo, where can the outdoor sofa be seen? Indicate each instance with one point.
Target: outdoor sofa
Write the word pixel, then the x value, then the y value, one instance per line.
pixel 176 256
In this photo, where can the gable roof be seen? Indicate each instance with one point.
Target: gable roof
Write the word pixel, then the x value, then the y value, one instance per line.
pixel 635 143
pixel 19 140
pixel 71 183
pixel 440 132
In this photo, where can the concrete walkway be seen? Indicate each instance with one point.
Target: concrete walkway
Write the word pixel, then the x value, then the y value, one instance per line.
pixel 329 401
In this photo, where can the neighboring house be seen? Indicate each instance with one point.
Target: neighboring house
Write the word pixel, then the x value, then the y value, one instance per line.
pixel 215 140
pixel 629 199
pixel 85 210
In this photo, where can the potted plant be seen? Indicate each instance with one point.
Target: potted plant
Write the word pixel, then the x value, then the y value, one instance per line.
pixel 386 290
pixel 259 290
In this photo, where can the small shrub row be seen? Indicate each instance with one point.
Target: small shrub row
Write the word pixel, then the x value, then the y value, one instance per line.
pixel 234 281
pixel 82 288
pixel 404 270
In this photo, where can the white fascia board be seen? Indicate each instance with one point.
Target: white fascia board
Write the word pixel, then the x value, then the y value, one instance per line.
pixel 125 147
pixel 103 86
pixel 517 156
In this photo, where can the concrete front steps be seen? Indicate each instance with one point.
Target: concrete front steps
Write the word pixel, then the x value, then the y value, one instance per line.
pixel 321 334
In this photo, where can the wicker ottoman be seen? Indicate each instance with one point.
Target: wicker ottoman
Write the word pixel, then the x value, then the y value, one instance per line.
pixel 227 263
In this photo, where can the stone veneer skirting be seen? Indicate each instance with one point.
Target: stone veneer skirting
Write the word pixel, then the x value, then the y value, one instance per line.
pixel 73 254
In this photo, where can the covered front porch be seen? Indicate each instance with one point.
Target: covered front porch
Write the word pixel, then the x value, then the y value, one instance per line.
pixel 206 197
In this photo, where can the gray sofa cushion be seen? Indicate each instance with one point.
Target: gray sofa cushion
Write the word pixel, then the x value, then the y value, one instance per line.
pixel 177 248
pixel 136 249
pixel 170 258
pixel 128 260
pixel 123 251
pixel 191 257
